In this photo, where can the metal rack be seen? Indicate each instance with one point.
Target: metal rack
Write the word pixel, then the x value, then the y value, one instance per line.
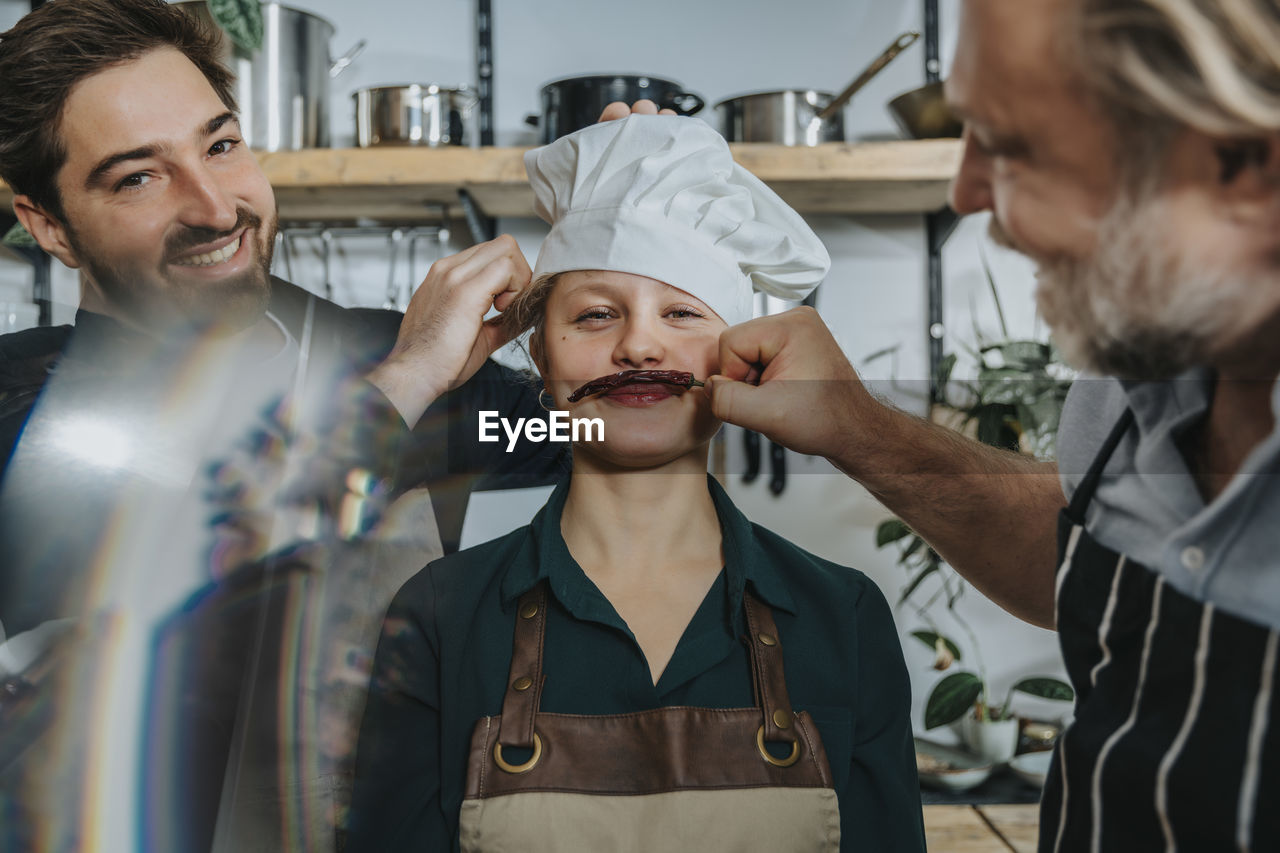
pixel 938 225
pixel 409 237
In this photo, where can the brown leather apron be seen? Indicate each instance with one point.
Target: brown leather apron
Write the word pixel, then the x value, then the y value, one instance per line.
pixel 668 779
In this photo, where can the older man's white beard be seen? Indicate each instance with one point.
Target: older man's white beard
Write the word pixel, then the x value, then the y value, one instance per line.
pixel 1140 307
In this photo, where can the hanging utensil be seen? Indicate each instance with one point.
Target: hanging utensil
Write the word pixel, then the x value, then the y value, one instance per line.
pixel 751 447
pixel 392 300
pixel 326 243
pixel 777 467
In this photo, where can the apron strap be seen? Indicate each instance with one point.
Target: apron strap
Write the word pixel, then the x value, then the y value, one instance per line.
pixel 1084 491
pixel 524 691
pixel 767 675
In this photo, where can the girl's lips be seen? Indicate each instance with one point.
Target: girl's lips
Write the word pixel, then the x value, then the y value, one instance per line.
pixel 638 394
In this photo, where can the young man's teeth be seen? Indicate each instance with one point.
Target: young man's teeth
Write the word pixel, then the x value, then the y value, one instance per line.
pixel 208 259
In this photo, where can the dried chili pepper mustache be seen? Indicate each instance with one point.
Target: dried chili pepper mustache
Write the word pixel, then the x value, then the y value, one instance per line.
pixel 678 378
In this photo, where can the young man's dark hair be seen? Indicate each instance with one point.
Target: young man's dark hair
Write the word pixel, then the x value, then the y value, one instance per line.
pixel 56 46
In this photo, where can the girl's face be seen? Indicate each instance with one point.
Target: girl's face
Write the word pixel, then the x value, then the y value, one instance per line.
pixel 598 323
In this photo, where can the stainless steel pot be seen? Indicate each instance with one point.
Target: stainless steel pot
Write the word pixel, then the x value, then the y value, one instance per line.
pixel 413 114
pixel 283 88
pixel 800 116
pixel 786 117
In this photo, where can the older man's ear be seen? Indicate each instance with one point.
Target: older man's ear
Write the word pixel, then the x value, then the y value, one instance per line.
pixel 644 107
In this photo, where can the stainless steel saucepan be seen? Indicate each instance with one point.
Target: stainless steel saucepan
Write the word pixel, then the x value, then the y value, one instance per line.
pixel 799 116
pixel 415 114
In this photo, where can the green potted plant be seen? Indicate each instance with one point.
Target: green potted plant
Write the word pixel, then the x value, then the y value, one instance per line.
pixel 1014 403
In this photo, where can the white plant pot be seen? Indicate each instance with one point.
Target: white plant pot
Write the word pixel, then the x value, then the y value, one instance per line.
pixel 994 741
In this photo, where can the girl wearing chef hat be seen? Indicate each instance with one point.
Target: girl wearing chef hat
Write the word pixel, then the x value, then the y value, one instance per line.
pixel 641 667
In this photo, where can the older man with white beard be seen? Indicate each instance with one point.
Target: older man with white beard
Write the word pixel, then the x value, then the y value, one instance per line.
pixel 1132 149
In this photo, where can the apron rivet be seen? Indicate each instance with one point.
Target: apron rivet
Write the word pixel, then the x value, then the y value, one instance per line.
pixel 528 611
pixel 782 719
pixel 522 683
pixel 768 639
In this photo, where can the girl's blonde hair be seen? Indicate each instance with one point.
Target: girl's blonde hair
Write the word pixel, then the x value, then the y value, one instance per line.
pixel 529 311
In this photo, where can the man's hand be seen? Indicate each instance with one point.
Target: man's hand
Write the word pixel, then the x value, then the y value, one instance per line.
pixel 444 337
pixel 786 377
pixel 642 107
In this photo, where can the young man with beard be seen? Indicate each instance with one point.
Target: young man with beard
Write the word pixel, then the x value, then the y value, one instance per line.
pixel 195 385
pixel 1132 149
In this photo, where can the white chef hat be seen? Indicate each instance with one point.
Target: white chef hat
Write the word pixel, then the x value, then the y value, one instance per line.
pixel 660 196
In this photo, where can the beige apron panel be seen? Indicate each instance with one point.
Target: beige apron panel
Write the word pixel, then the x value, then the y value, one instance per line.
pixel 745 820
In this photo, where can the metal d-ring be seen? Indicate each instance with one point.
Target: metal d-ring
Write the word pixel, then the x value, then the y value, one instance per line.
pixel 764 753
pixel 537 753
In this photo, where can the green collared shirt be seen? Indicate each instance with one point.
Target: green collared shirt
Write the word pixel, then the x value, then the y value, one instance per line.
pixel 444 657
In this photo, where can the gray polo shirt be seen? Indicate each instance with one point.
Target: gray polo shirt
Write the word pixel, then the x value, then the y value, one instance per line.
pixel 1147 504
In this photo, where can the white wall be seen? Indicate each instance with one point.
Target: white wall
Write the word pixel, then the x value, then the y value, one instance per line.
pixel 874 296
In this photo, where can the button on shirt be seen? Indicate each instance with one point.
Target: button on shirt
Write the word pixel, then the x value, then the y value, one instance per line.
pixel 1148 506
pixel 446 650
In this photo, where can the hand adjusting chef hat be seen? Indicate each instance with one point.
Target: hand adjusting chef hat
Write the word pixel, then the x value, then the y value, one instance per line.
pixel 660 196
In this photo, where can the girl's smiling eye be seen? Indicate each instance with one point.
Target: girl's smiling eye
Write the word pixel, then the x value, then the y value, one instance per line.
pixel 684 312
pixel 598 313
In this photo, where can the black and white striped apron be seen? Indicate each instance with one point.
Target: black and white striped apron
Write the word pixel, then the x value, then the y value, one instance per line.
pixel 1176 740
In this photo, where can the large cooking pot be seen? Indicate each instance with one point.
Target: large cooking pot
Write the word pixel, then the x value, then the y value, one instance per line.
pixel 415 114
pixel 282 88
pixel 576 102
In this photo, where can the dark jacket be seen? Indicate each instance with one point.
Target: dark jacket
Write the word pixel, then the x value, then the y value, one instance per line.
pixel 235 657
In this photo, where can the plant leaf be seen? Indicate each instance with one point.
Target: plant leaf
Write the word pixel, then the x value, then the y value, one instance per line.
pixel 917 580
pixel 891 530
pixel 241 20
pixel 930 639
pixel 991 283
pixel 18 237
pixel 945 368
pixel 1045 688
pixel 951 698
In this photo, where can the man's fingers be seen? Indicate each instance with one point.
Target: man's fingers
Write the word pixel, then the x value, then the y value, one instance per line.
pixel 745 348
pixel 494 333
pixel 500 265
pixel 644 107
pixel 613 111
pixel 504 299
pixel 736 402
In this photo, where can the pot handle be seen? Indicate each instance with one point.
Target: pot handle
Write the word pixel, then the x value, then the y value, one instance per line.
pixel 685 103
pixel 340 64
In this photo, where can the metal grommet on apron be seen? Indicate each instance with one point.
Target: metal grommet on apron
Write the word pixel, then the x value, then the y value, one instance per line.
pixel 1176 739
pixel 670 779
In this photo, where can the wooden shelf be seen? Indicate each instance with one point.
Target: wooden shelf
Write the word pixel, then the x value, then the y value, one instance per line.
pixel 412 184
